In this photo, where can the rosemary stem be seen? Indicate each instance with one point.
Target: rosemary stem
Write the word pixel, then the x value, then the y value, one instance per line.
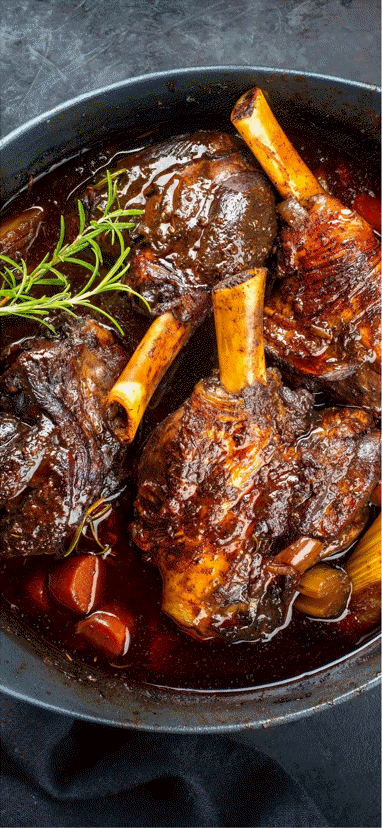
pixel 17 286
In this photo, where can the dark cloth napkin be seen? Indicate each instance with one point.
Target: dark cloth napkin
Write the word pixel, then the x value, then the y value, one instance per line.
pixel 59 771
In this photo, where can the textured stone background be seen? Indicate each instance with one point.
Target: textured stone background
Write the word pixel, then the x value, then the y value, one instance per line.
pixel 52 50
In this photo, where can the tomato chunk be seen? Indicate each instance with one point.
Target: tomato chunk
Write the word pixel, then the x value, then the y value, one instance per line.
pixel 109 629
pixel 369 207
pixel 77 583
pixel 36 590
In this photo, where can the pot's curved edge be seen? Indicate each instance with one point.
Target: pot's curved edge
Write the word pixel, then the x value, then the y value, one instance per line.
pixel 56 135
pixel 234 68
pixel 285 718
pixel 93 696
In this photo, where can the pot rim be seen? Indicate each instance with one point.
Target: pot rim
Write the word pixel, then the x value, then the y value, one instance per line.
pixel 200 70
pixel 245 708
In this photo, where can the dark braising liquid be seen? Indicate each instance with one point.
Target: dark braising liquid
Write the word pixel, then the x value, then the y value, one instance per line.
pixel 160 653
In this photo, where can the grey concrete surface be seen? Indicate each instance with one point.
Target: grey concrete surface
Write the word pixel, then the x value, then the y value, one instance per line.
pixel 52 50
pixel 335 755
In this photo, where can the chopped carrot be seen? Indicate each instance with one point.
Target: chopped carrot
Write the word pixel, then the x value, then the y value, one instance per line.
pixel 109 629
pixel 77 583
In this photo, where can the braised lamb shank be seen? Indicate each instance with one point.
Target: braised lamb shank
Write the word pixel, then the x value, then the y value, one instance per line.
pixel 206 205
pixel 57 456
pixel 245 486
pixel 322 324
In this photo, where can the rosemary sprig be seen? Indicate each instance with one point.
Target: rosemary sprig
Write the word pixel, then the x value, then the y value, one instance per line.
pixel 98 510
pixel 17 285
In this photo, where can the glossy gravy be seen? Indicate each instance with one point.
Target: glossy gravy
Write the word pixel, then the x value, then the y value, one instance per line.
pixel 160 653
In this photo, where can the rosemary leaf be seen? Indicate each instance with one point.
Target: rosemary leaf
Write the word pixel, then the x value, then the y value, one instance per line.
pixel 81 213
pixel 17 286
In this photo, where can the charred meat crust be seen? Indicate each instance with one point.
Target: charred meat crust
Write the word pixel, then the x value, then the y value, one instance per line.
pixel 207 207
pixel 230 480
pixel 57 453
pixel 322 321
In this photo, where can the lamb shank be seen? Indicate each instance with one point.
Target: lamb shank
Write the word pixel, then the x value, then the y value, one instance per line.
pixel 322 323
pixel 246 486
pixel 206 205
pixel 57 455
pixel 205 202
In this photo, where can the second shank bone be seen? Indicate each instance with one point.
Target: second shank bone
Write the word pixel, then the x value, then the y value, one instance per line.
pixel 232 478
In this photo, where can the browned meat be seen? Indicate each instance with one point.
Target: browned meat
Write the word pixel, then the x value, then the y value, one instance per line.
pixel 228 481
pixel 200 475
pixel 56 452
pixel 232 478
pixel 322 326
pixel 18 233
pixel 207 206
pixel 323 321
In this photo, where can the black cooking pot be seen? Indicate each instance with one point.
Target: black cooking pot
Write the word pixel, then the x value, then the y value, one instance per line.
pixel 180 100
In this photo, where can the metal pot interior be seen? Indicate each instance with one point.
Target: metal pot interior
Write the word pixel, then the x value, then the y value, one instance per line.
pixel 181 100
